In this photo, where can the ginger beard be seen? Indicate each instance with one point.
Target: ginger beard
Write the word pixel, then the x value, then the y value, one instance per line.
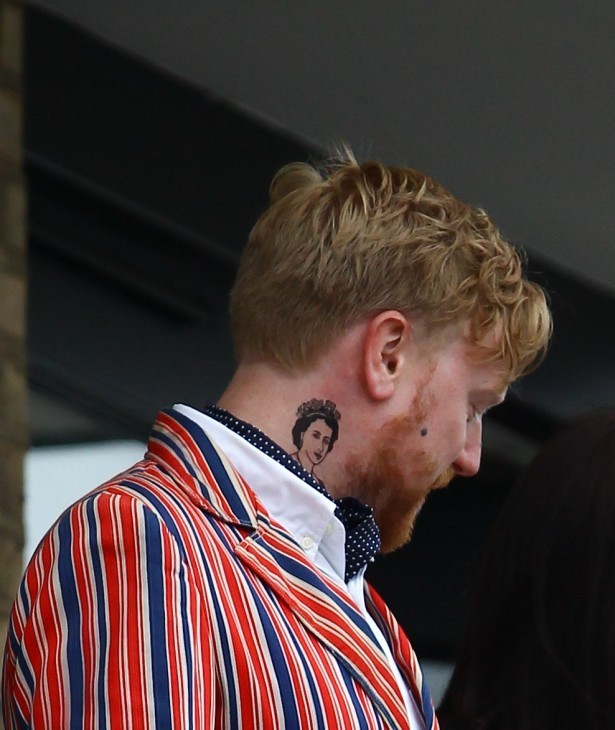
pixel 396 478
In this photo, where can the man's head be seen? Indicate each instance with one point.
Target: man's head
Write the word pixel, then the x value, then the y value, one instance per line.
pixel 377 288
pixel 346 241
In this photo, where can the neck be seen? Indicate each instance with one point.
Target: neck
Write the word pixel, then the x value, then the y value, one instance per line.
pixel 269 399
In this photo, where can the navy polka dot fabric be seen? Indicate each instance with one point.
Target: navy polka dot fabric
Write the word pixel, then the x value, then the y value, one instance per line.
pixel 362 535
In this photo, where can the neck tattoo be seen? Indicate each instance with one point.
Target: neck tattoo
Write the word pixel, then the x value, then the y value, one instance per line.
pixel 315 432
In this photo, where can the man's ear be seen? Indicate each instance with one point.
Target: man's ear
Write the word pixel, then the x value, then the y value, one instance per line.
pixel 385 347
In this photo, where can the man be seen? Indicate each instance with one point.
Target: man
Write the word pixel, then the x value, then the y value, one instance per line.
pixel 219 583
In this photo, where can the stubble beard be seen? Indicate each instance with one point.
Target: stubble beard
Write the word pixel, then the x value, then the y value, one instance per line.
pixel 395 480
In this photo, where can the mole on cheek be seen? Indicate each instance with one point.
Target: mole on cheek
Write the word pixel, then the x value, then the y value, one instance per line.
pixel 424 432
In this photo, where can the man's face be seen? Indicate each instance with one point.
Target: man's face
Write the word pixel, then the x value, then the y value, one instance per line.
pixel 434 434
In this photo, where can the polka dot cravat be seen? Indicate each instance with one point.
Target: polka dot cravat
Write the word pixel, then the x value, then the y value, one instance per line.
pixel 362 535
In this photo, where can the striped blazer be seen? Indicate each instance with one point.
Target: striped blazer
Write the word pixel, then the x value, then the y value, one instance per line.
pixel 168 598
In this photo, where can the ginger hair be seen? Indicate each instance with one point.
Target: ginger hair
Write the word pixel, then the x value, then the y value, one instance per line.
pixel 343 241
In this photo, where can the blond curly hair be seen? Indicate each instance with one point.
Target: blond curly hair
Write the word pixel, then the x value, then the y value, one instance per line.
pixel 347 240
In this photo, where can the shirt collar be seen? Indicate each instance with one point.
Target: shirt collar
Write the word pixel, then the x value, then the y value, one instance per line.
pixel 306 513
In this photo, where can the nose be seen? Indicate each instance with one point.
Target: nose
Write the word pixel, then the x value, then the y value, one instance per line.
pixel 468 461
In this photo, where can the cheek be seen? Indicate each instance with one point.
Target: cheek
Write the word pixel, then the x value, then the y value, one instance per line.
pixel 440 408
pixel 426 457
pixel 422 463
pixel 414 455
pixel 445 444
pixel 443 431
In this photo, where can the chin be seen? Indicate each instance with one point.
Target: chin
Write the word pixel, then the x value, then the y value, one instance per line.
pixel 392 543
pixel 398 532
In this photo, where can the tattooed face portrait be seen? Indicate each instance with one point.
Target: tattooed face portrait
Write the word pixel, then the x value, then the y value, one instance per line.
pixel 315 431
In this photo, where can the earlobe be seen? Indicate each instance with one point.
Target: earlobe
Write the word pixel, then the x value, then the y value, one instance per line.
pixel 385 343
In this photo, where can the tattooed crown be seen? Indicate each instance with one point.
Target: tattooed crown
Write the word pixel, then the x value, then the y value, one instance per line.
pixel 318 407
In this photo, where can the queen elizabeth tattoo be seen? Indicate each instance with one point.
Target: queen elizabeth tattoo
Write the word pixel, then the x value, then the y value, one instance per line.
pixel 315 431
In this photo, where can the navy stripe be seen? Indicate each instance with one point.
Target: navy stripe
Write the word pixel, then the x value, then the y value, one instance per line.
pixel 186 623
pixel 97 572
pixel 278 660
pixel 157 619
pixel 24 598
pixel 221 620
pixel 426 701
pixel 352 693
pixel 70 601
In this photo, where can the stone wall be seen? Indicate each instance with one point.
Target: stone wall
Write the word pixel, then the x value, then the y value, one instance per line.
pixel 13 383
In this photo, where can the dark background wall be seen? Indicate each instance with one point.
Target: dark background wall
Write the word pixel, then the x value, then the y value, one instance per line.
pixel 145 170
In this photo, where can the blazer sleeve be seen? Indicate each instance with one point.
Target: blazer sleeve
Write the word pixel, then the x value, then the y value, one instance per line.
pixel 108 630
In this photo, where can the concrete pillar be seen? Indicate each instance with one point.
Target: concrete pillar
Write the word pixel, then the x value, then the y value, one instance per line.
pixel 13 383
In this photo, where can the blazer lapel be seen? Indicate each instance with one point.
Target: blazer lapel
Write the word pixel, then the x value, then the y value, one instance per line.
pixel 403 654
pixel 327 611
pixel 201 469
